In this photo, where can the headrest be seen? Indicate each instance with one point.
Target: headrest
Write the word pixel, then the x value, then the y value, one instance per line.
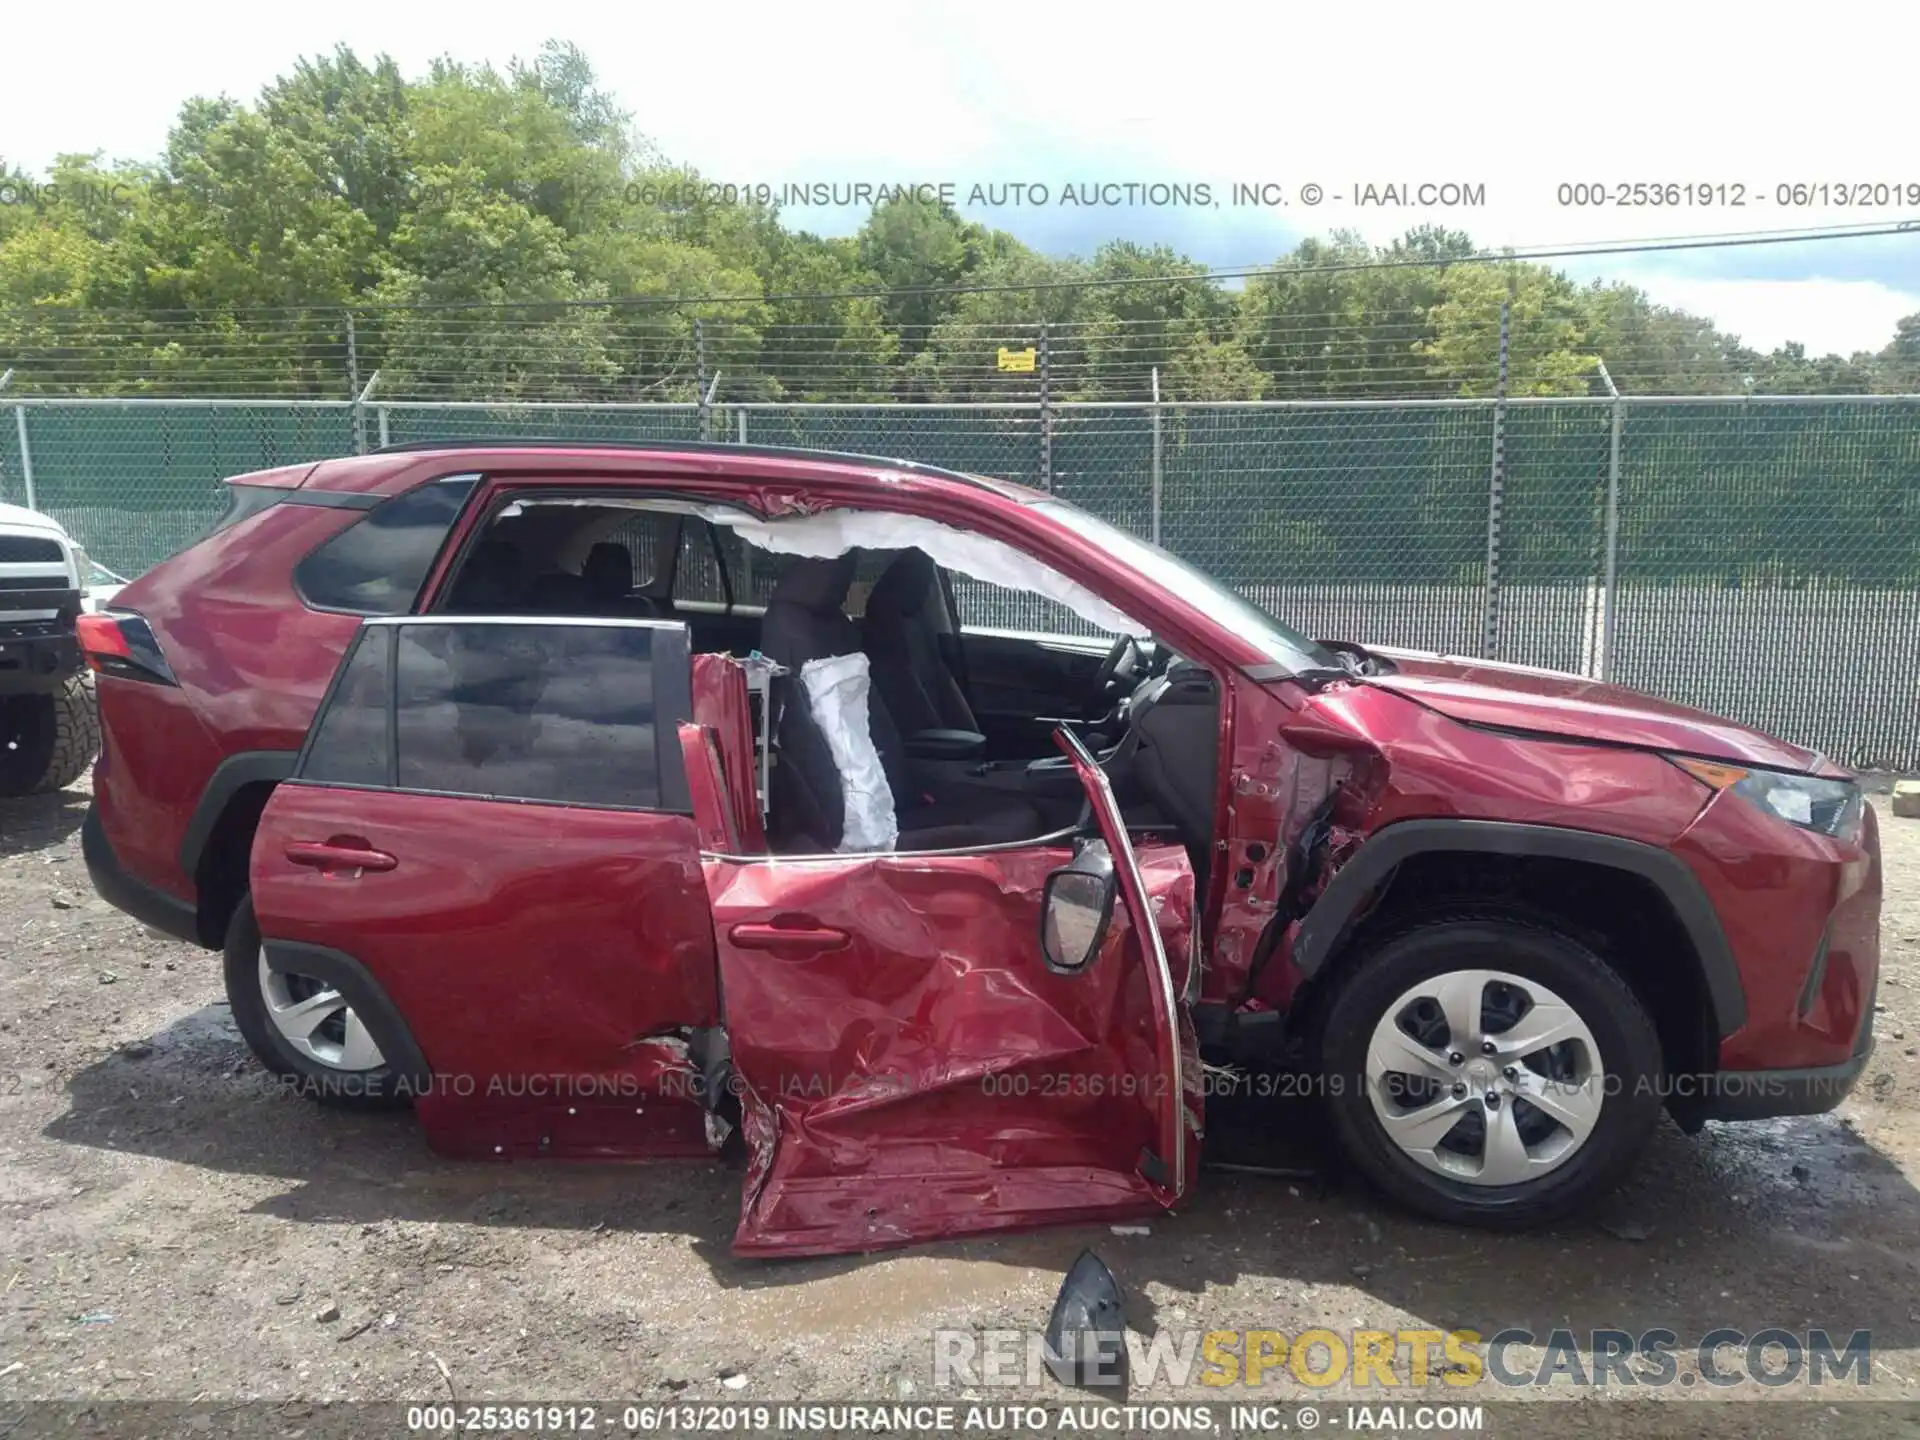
pixel 608 570
pixel 905 585
pixel 490 576
pixel 817 584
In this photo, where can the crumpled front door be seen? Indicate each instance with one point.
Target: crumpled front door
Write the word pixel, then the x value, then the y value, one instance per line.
pixel 910 1067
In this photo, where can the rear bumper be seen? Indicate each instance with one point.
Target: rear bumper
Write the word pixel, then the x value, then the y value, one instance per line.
pixel 165 913
pixel 35 659
pixel 1769 1094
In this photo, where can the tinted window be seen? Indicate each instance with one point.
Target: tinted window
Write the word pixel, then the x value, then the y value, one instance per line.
pixel 349 744
pixel 537 712
pixel 376 566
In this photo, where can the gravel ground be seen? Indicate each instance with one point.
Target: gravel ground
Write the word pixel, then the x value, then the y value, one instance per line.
pixel 177 1228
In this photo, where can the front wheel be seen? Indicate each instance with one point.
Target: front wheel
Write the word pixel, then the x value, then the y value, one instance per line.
pixel 303 1029
pixel 1487 1070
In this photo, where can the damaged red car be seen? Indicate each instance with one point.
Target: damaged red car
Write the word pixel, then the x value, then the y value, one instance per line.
pixel 943 846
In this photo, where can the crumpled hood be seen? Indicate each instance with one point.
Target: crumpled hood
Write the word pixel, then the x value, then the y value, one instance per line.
pixel 1551 702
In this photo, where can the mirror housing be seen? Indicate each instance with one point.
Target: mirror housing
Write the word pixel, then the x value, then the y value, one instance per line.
pixel 1076 910
pixel 1087 1332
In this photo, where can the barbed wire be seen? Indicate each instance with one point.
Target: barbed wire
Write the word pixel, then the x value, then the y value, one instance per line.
pixel 530 351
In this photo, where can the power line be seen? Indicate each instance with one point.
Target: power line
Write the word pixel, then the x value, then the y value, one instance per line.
pixel 1566 251
pixel 1485 257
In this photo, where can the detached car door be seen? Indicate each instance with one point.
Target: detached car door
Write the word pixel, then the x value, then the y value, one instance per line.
pixel 936 1044
pixel 487 848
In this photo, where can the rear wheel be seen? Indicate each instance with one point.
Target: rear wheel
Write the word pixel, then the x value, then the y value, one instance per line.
pixel 302 1028
pixel 1488 1070
pixel 47 741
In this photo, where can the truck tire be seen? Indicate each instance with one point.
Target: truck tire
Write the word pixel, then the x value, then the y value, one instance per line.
pixel 47 741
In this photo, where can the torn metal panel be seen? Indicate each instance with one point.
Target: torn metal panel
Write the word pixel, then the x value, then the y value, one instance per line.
pixel 720 705
pixel 1274 786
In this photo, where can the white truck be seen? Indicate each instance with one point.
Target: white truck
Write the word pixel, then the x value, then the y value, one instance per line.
pixel 49 729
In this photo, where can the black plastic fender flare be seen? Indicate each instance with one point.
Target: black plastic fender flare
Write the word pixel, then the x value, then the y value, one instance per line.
pixel 229 777
pixel 355 982
pixel 1332 915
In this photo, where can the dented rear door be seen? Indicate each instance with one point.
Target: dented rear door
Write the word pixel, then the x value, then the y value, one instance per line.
pixel 486 847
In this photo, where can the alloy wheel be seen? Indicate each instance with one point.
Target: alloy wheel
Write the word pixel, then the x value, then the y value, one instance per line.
pixel 1485 1077
pixel 316 1020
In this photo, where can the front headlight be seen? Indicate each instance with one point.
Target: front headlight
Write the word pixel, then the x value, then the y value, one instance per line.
pixel 1832 807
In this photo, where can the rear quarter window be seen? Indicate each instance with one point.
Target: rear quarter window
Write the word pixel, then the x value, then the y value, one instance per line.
pixel 377 565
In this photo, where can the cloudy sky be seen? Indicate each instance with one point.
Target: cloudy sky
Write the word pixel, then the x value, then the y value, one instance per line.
pixel 1517 99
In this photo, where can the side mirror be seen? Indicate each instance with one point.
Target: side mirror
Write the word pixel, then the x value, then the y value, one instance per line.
pixel 1076 909
pixel 1087 1332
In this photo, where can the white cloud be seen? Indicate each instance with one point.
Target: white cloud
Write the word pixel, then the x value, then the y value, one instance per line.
pixel 1827 316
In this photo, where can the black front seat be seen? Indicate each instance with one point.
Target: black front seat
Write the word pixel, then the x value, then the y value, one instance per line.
pixel 805 620
pixel 903 642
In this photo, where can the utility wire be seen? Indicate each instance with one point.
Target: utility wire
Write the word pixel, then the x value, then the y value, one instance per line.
pixel 1722 241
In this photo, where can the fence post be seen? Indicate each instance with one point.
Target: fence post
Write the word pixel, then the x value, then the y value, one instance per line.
pixel 700 373
pixel 1609 613
pixel 1157 461
pixel 741 437
pixel 1490 619
pixel 360 415
pixel 26 456
pixel 353 388
pixel 382 413
pixel 1046 417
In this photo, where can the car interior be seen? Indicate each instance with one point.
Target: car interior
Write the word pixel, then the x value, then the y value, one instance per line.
pixel 969 678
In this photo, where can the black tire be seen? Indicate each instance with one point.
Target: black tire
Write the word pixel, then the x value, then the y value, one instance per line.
pixel 379 1089
pixel 47 741
pixel 1629 1046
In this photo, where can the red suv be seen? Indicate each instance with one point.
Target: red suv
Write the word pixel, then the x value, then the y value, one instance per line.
pixel 942 845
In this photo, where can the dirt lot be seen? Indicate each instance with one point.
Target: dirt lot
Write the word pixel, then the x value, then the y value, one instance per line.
pixel 175 1227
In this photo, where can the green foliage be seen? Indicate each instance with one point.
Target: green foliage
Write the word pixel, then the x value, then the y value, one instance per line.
pixel 510 233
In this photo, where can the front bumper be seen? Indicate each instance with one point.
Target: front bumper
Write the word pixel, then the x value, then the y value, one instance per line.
pixel 36 658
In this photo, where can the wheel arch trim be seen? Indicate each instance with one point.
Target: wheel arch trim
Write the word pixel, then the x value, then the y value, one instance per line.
pixel 361 991
pixel 229 777
pixel 1332 917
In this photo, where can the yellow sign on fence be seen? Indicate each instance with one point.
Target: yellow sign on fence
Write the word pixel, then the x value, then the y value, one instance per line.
pixel 1017 359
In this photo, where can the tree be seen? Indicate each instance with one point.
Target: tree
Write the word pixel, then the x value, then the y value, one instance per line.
pixel 228 264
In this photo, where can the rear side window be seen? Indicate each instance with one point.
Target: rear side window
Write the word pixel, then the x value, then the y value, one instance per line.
pixel 577 713
pixel 377 565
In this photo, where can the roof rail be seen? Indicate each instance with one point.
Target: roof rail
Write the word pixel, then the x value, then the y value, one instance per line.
pixel 681 447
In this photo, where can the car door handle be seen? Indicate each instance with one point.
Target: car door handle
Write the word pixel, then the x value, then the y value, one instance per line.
pixel 787 937
pixel 325 855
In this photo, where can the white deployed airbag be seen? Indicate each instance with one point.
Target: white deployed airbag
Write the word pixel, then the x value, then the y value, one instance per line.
pixel 837 687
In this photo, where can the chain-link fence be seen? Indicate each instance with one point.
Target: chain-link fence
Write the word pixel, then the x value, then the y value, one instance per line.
pixel 1755 557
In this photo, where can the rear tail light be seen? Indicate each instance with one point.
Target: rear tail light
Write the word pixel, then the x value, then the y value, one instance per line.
pixel 122 644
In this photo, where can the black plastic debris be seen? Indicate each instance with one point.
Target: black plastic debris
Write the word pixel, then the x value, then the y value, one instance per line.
pixel 1087 1332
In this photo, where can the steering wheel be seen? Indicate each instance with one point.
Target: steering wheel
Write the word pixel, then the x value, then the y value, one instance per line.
pixel 1110 667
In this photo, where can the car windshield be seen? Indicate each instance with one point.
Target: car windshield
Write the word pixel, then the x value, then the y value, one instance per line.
pixel 1281 644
